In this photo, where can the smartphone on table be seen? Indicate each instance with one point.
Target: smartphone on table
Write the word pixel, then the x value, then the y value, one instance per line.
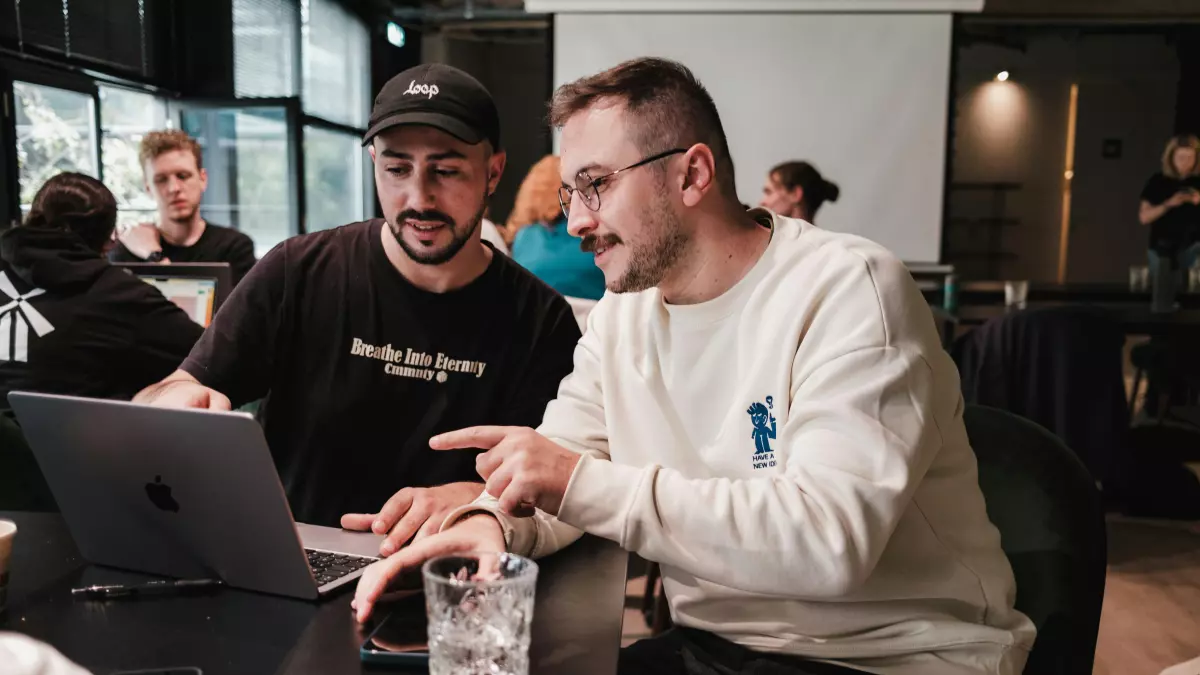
pixel 402 637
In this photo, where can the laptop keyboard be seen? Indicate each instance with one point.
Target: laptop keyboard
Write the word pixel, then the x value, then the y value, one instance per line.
pixel 328 567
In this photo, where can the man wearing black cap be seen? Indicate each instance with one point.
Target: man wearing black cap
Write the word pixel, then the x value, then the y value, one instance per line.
pixel 368 339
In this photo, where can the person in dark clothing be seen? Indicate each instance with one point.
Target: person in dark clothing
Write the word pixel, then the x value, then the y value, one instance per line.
pixel 1170 208
pixel 175 175
pixel 1170 205
pixel 70 322
pixel 375 336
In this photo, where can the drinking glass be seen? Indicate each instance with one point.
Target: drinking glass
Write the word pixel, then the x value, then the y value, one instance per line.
pixel 479 607
pixel 1139 278
pixel 1016 293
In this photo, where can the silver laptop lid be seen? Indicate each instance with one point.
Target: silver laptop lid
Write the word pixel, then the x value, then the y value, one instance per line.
pixel 183 493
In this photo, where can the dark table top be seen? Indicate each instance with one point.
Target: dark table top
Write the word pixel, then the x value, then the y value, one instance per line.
pixel 1134 318
pixel 985 292
pixel 576 625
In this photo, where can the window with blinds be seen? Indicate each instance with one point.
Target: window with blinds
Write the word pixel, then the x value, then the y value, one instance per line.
pixel 336 63
pixel 109 32
pixel 264 47
pixel 43 24
pixel 8 21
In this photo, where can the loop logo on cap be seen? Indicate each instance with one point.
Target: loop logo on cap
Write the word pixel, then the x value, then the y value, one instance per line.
pixel 439 96
pixel 430 89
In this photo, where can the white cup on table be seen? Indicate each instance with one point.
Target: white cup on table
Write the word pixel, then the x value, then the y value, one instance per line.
pixel 8 532
pixel 1016 293
pixel 1139 278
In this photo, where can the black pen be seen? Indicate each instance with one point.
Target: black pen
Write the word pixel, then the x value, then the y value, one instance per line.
pixel 120 591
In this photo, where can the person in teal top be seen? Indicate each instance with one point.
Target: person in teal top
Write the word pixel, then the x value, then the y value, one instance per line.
pixel 554 256
pixel 540 241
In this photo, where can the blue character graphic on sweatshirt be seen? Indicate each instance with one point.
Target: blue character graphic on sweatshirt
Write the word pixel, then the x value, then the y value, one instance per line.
pixel 761 417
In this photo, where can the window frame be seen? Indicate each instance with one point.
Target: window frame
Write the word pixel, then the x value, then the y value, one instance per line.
pixel 301 62
pixel 368 183
pixel 12 72
pixel 64 76
pixel 167 101
pixel 295 141
pixel 368 195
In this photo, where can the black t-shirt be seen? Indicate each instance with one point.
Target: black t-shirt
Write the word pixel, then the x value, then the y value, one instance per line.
pixel 362 367
pixel 216 244
pixel 1180 226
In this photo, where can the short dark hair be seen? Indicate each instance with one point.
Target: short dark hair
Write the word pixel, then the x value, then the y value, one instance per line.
pixel 76 203
pixel 669 105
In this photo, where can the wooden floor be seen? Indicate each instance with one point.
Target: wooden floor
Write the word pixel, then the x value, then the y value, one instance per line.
pixel 1151 618
pixel 634 627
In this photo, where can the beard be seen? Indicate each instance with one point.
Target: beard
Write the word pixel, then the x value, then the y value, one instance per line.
pixel 649 261
pixel 435 256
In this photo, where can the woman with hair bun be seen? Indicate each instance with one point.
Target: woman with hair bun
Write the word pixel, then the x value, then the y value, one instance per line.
pixel 797 190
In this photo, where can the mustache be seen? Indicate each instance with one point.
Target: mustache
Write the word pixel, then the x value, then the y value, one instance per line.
pixel 590 242
pixel 430 216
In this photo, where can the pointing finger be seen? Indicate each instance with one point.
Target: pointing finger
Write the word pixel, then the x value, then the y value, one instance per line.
pixel 484 438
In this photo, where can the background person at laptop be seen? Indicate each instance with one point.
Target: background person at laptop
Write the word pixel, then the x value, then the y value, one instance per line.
pixel 173 167
pixel 375 336
pixel 70 322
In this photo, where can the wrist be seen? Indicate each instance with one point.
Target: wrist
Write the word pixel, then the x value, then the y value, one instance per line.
pixel 482 518
pixel 488 523
pixel 154 256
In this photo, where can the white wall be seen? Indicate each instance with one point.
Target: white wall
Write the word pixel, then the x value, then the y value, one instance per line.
pixel 864 97
pixel 1016 131
pixel 517 73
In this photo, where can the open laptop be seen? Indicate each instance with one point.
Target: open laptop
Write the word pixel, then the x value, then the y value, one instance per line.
pixel 197 288
pixel 182 493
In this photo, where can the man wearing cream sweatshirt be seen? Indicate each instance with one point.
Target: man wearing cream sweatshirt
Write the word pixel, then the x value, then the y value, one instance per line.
pixel 758 405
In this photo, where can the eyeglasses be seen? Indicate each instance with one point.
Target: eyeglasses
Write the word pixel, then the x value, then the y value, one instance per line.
pixel 589 188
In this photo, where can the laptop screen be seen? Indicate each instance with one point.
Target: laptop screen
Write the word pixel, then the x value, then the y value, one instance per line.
pixel 195 296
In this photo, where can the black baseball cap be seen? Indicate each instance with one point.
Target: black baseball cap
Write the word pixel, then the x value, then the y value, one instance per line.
pixel 439 96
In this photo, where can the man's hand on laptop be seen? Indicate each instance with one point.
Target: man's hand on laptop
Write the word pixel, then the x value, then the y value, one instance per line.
pixel 181 390
pixel 413 511
pixel 479 532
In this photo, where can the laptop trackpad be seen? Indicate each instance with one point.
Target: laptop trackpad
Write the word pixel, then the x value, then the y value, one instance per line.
pixel 339 541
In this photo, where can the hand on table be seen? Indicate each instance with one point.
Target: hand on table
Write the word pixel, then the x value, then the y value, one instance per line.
pixel 477 533
pixel 412 511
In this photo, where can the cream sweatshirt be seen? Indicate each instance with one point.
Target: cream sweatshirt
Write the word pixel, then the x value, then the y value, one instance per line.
pixel 793 454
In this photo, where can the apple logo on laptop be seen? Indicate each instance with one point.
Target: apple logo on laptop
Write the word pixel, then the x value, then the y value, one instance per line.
pixel 160 495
